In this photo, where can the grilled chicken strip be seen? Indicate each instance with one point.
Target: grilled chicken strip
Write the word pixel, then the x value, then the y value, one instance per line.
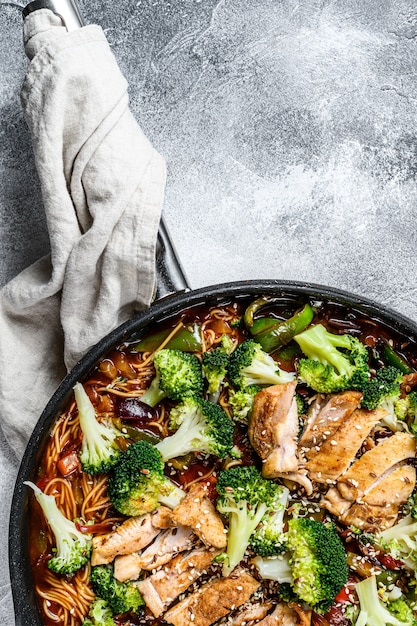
pixel 369 494
pixel 131 536
pixel 197 511
pixel 161 589
pixel 250 614
pixel 167 545
pixel 213 600
pixel 329 459
pixel 326 415
pixel 373 463
pixel 127 567
pixel 273 429
pixel 379 508
pixel 286 615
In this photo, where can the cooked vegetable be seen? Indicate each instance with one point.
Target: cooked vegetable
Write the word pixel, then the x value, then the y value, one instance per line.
pixel 178 375
pixel 73 548
pixel 334 362
pixel 250 365
pixel 375 612
pixel 383 391
pixel 246 499
pixel 99 449
pixel 215 366
pixel 406 410
pixel 275 568
pixel 400 541
pixel 184 339
pixel 137 483
pixel 201 426
pixel 241 401
pixel 317 561
pixel 268 538
pixel 99 614
pixel 272 333
pixel 120 597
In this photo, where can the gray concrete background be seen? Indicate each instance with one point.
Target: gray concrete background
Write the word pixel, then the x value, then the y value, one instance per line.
pixel 289 129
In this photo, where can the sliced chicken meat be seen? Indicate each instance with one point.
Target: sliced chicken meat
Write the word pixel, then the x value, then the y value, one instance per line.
pixel 164 586
pixel 325 416
pixel 273 428
pixel 213 600
pixel 167 545
pixel 378 508
pixel 329 459
pixel 373 463
pixel 370 493
pixel 287 615
pixel 250 614
pixel 197 511
pixel 127 567
pixel 133 535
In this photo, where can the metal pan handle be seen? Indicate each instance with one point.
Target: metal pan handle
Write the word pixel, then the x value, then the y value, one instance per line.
pixel 170 275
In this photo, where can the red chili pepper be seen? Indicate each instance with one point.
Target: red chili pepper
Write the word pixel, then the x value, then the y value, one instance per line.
pixel 389 561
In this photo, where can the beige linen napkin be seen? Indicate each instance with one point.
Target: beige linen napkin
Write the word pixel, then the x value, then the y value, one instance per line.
pixel 102 186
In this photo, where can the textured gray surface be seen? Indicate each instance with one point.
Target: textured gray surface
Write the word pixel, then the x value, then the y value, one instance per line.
pixel 289 133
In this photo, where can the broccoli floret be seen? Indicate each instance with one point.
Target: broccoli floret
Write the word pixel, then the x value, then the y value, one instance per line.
pixel 373 611
pixel 411 507
pixel 137 484
pixel 215 366
pixel 73 548
pixel 241 401
pixel 268 539
pixel 317 561
pixel 178 375
pixel 400 541
pixel 246 499
pixel 250 365
pixel 383 391
pixel 120 597
pixel 99 450
pixel 334 362
pixel 402 611
pixel 99 614
pixel 406 409
pixel 275 568
pixel 202 427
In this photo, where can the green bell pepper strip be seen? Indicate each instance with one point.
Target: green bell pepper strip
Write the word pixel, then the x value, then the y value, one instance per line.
pixel 272 333
pixel 253 308
pixel 185 340
pixel 393 358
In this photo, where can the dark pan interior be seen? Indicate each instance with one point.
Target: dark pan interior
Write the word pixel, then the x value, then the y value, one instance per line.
pixel 26 610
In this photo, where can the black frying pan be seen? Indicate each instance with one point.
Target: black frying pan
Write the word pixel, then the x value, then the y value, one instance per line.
pixel 26 610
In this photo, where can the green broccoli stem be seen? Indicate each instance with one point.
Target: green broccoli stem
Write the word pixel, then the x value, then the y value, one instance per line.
pixel 173 497
pixel 242 522
pixel 372 610
pixel 154 393
pixel 98 444
pixel 318 343
pixel 72 546
pixel 274 568
pixel 187 438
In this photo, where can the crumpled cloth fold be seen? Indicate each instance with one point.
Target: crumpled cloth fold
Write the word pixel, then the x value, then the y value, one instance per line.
pixel 102 188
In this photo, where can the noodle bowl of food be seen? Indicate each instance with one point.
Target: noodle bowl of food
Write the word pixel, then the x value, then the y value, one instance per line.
pixel 239 454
